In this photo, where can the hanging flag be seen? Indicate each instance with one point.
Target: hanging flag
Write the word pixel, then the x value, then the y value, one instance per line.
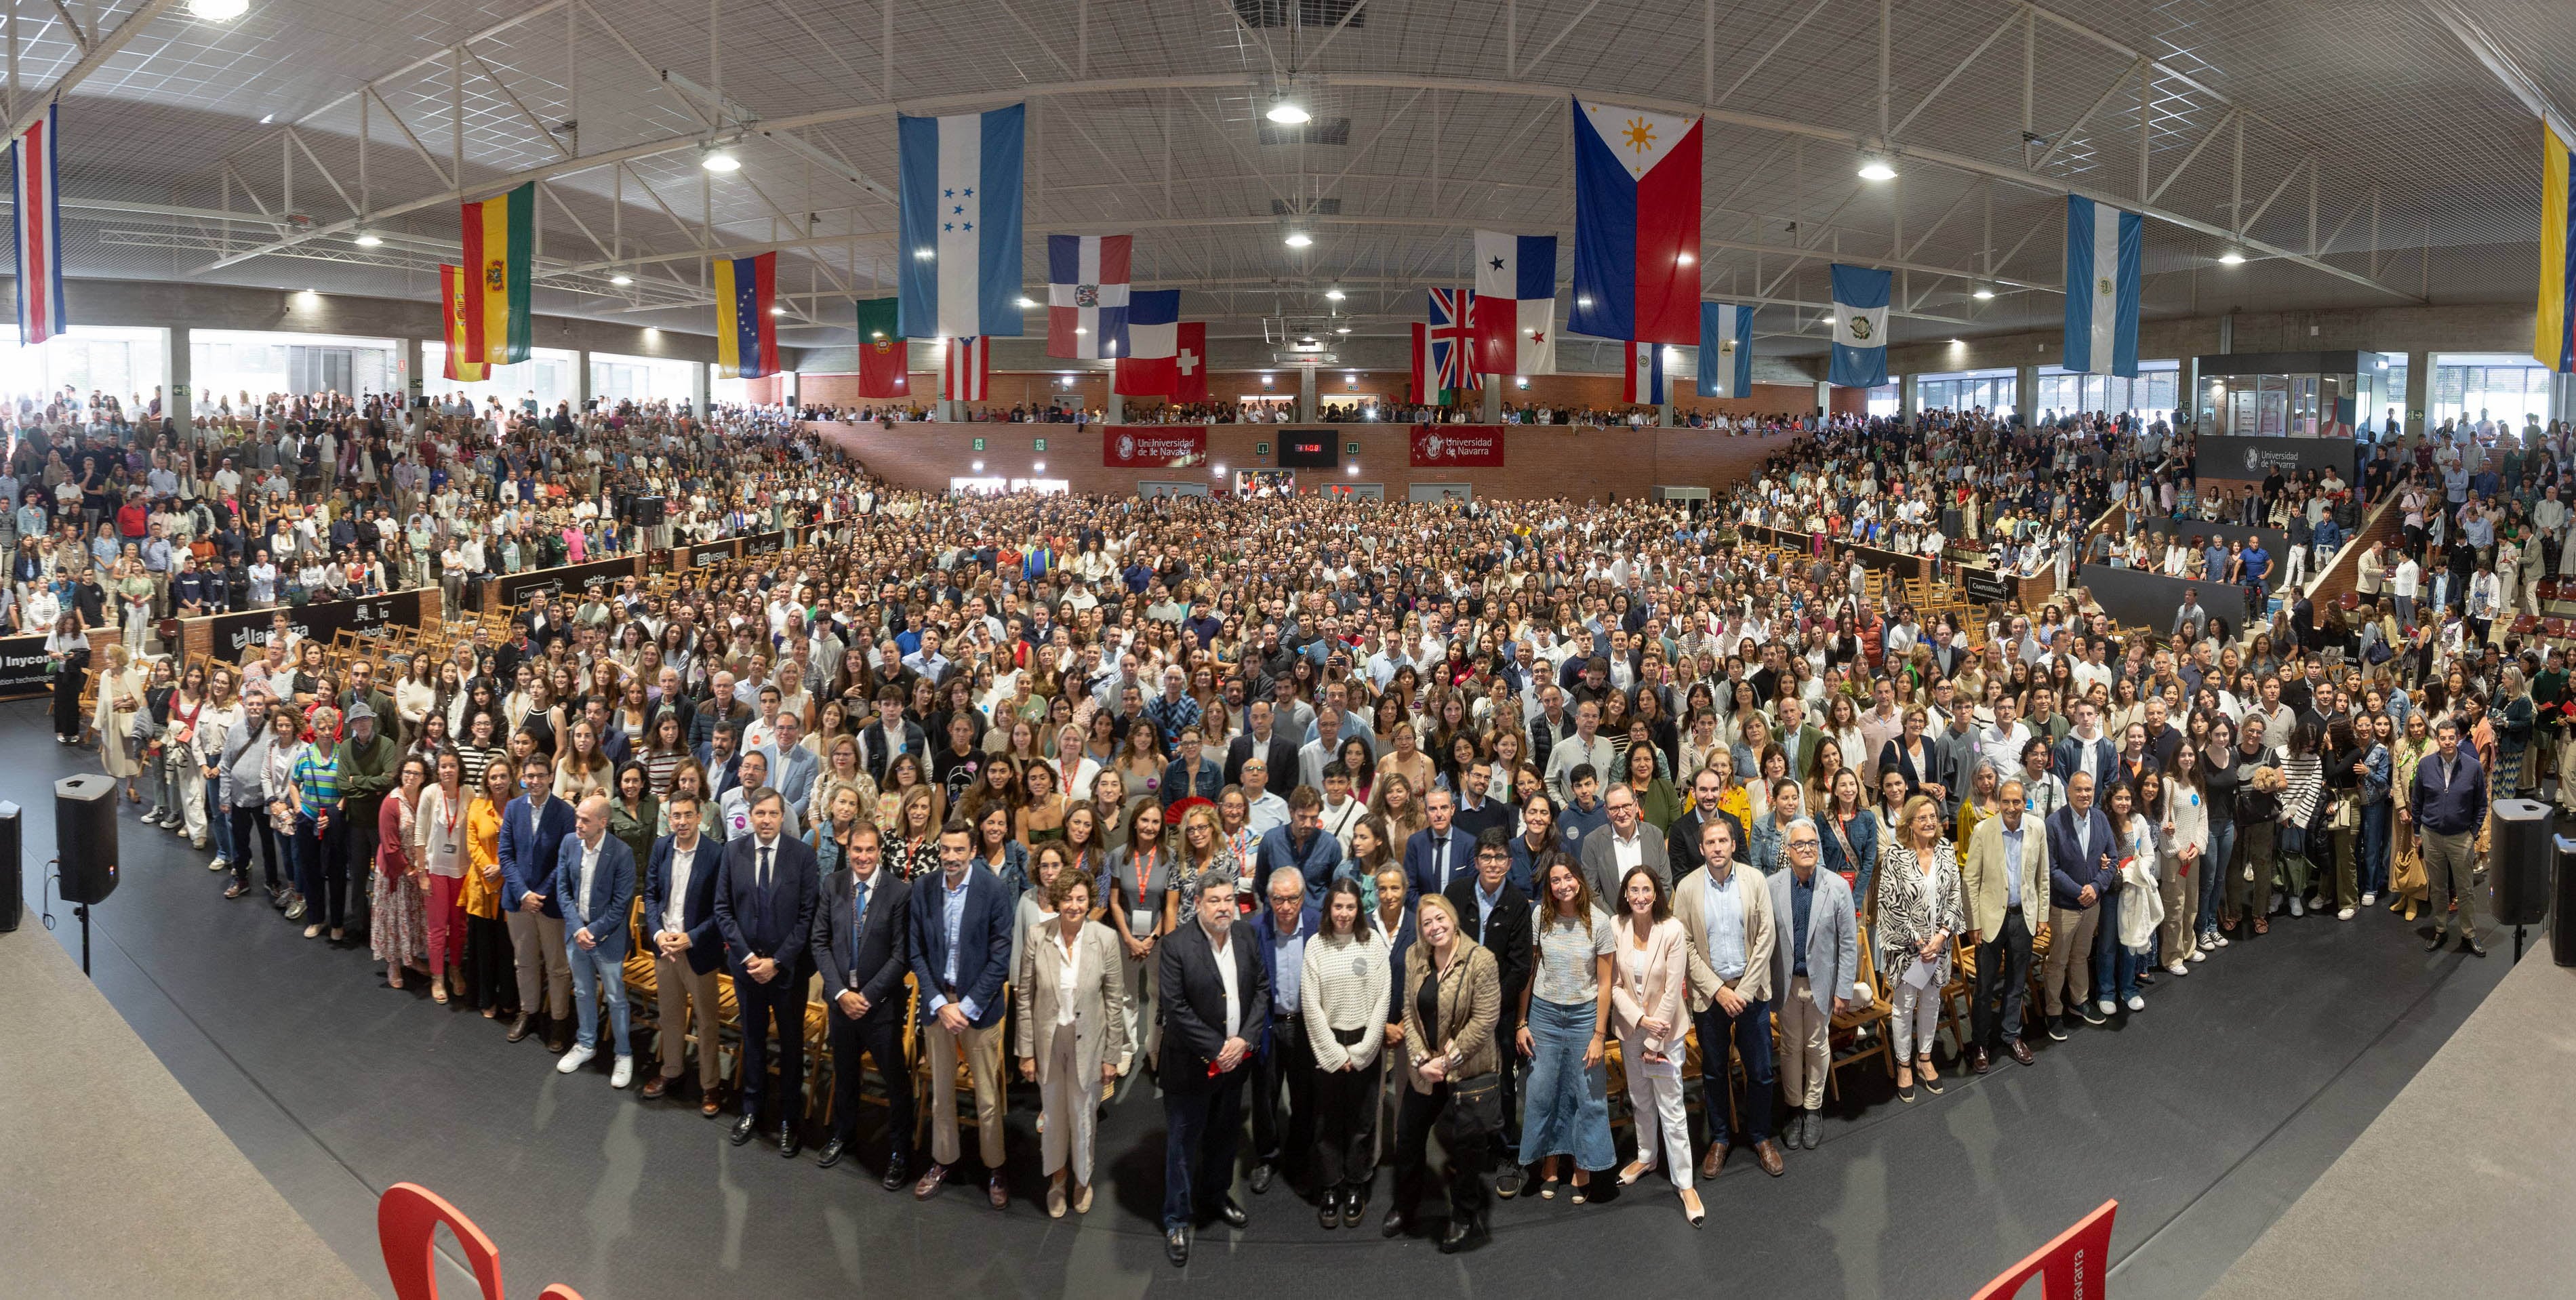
pixel 1453 338
pixel 1725 349
pixel 1636 224
pixel 451 300
pixel 1860 327
pixel 959 221
pixel 1087 295
pixel 2102 254
pixel 1425 381
pixel 36 219
pixel 1643 383
pixel 746 332
pixel 2553 341
pixel 966 370
pixel 1150 366
pixel 1190 363
pixel 1515 304
pixel 500 240
pixel 883 355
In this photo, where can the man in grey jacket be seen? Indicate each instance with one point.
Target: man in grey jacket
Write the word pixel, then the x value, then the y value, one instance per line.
pixel 1814 965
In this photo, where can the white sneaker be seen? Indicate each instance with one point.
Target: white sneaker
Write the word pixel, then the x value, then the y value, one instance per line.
pixel 2197 954
pixel 624 1073
pixel 2344 915
pixel 217 865
pixel 2370 899
pixel 2107 1006
pixel 2137 1003
pixel 2176 967
pixel 573 1060
pixel 2223 941
pixel 2298 908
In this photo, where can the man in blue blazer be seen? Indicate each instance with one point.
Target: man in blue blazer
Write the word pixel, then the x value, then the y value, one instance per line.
pixel 533 829
pixel 765 910
pixel 1438 853
pixel 961 954
pixel 594 883
pixel 858 945
pixel 2083 858
pixel 1283 1063
pixel 688 948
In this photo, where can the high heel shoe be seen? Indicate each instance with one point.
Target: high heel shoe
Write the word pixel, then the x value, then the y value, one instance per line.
pixel 1692 1210
pixel 1636 1169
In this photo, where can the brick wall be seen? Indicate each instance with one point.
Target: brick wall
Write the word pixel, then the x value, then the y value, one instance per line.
pixel 1091 387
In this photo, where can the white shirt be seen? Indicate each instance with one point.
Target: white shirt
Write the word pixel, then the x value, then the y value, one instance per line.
pixel 589 865
pixel 1628 850
pixel 1068 956
pixel 1225 975
pixel 682 860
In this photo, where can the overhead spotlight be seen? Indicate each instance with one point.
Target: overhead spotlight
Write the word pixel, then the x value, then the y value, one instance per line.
pixel 368 239
pixel 1218 471
pixel 924 254
pixel 1299 239
pixel 1354 469
pixel 1333 295
pixel 266 118
pixel 621 279
pixel 1957 343
pixel 1341 329
pixel 1876 167
pixel 1583 302
pixel 1982 293
pixel 977 466
pixel 1684 259
pixel 218 11
pixel 1081 329
pixel 1040 467
pixel 1027 302
pixel 2231 258
pixel 1288 112
pixel 719 159
pixel 777 311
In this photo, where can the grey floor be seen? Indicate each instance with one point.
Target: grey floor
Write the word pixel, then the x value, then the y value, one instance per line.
pixel 2204 1116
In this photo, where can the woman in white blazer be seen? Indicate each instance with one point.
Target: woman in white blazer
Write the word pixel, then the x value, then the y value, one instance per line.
pixel 1069 1003
pixel 1648 1006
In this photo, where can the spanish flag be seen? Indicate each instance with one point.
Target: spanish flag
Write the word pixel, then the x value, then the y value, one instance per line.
pixel 500 235
pixel 451 300
pixel 746 334
pixel 2553 341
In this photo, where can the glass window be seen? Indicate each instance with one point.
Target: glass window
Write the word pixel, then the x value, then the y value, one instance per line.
pixel 1885 400
pixel 545 378
pixel 92 361
pixel 238 368
pixel 642 379
pixel 2505 393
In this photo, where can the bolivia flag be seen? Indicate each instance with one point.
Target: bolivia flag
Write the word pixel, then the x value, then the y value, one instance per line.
pixel 500 234
pixel 746 334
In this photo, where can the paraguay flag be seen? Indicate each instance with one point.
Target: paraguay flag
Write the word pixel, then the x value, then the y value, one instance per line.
pixel 2553 341
pixel 37 221
pixel 1087 295
pixel 1725 349
pixel 2102 245
pixel 1636 224
pixel 1860 327
pixel 959 222
pixel 1150 366
pixel 1515 303
pixel 746 334
pixel 1643 384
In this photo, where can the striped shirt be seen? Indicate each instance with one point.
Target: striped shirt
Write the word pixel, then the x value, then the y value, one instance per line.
pixel 317 781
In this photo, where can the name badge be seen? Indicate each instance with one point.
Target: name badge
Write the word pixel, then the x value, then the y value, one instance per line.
pixel 1140 922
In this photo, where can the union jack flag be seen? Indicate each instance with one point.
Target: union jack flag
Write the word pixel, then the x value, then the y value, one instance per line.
pixel 1453 338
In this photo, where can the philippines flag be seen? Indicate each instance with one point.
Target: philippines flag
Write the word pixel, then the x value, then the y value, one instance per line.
pixel 966 371
pixel 959 222
pixel 37 219
pixel 1087 295
pixel 2102 248
pixel 1860 327
pixel 1636 224
pixel 1453 338
pixel 1725 349
pixel 1150 367
pixel 1644 382
pixel 1515 304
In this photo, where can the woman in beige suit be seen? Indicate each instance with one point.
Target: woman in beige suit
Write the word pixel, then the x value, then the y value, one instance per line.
pixel 1652 979
pixel 1072 989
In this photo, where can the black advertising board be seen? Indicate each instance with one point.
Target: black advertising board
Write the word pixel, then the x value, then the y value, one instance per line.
pixel 22 667
pixel 1310 449
pixel 229 635
pixel 2253 458
pixel 1984 584
pixel 599 575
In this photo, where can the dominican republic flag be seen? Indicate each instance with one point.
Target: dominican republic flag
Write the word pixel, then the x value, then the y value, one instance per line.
pixel 1636 224
pixel 960 223
pixel 966 371
pixel 1150 366
pixel 2102 247
pixel 1453 338
pixel 37 221
pixel 1725 349
pixel 1860 327
pixel 1087 295
pixel 1515 304
pixel 1644 381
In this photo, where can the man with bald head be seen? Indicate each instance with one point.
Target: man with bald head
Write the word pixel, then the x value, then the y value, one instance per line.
pixel 595 879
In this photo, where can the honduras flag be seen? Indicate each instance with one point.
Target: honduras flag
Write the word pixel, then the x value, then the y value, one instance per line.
pixel 1860 327
pixel 2102 247
pixel 960 223
pixel 1725 349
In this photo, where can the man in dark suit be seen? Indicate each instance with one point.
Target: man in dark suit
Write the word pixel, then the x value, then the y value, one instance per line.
pixel 594 882
pixel 533 828
pixel 1628 840
pixel 1476 813
pixel 1681 842
pixel 1262 742
pixel 1438 854
pixel 688 949
pixel 1210 1024
pixel 1283 1064
pixel 765 910
pixel 960 948
pixel 2082 857
pixel 1496 914
pixel 859 948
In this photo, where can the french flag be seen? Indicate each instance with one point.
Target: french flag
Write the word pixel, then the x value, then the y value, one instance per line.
pixel 1151 365
pixel 1636 224
pixel 2102 254
pixel 1087 295
pixel 37 219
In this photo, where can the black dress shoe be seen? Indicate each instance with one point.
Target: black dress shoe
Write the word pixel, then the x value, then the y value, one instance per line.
pixel 1232 1212
pixel 830 1155
pixel 1176 1247
pixel 1454 1238
pixel 1261 1176
pixel 1329 1213
pixel 1354 1201
pixel 787 1143
pixel 1393 1225
pixel 2439 938
pixel 743 1129
pixel 2470 945
pixel 896 1175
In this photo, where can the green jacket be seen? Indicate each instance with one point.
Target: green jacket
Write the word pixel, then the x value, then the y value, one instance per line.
pixel 366 773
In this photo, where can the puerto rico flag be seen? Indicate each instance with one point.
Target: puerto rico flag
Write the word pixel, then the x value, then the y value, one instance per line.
pixel 959 219
pixel 1725 349
pixel 1860 327
pixel 1087 295
pixel 1643 383
pixel 1453 338
pixel 37 221
pixel 966 370
pixel 1515 304
pixel 2102 252
pixel 1150 367
pixel 1636 224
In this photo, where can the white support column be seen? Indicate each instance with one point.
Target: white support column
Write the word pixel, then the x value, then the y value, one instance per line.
pixel 1117 408
pixel 178 394
pixel 2026 392
pixel 698 373
pixel 1306 407
pixel 415 377
pixel 581 378
pixel 1909 395
pixel 1824 398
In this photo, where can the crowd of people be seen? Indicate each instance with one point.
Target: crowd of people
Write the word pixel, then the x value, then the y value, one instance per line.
pixel 1349 824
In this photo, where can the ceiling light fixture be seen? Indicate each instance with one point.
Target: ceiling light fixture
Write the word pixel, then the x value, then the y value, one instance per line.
pixel 719 159
pixel 2231 258
pixel 266 118
pixel 621 279
pixel 1333 295
pixel 1027 302
pixel 368 239
pixel 1583 302
pixel 1288 112
pixel 1684 259
pixel 924 254
pixel 218 11
pixel 1982 293
pixel 1299 239
pixel 1876 167
pixel 1341 329
pixel 777 311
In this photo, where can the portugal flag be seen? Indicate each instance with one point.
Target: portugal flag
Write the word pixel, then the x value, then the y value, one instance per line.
pixel 451 300
pixel 883 355
pixel 500 234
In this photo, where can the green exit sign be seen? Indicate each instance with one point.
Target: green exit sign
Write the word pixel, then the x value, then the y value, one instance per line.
pixel 979 444
pixel 1041 442
pixel 1261 449
pixel 1350 449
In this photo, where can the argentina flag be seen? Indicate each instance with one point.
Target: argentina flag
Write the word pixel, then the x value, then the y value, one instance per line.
pixel 1725 349
pixel 1860 327
pixel 2102 247
pixel 959 219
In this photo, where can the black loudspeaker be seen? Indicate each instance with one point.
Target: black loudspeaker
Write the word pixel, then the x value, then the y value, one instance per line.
pixel 85 836
pixel 647 512
pixel 13 882
pixel 2519 870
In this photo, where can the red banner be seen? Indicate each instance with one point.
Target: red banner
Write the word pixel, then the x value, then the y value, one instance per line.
pixel 1153 446
pixel 1447 446
pixel 2073 1267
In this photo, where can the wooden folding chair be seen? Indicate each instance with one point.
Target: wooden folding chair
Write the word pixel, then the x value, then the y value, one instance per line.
pixel 1863 1031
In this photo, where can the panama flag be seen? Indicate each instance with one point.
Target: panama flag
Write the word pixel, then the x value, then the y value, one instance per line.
pixel 1151 365
pixel 1453 338
pixel 37 221
pixel 1087 295
pixel 1725 349
pixel 1636 224
pixel 2102 248
pixel 746 328
pixel 1515 304
pixel 1860 327
pixel 1644 381
pixel 960 223
pixel 966 371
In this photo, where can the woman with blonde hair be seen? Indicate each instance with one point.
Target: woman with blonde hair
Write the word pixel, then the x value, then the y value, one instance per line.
pixel 1202 848
pixel 1451 1004
pixel 120 699
pixel 1918 915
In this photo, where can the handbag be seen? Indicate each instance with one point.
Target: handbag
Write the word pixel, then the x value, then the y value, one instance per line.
pixel 1475 1109
pixel 2347 814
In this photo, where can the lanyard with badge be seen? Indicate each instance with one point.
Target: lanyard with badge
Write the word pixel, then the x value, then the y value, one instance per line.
pixel 1140 918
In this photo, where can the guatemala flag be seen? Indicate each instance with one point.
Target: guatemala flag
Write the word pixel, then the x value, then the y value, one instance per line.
pixel 1860 327
pixel 1725 349
pixel 960 223
pixel 1636 224
pixel 2102 247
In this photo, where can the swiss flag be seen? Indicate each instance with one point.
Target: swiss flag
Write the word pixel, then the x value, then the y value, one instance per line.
pixel 1189 364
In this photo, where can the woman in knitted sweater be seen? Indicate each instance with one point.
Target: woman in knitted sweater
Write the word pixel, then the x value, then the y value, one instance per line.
pixel 1343 994
pixel 2302 794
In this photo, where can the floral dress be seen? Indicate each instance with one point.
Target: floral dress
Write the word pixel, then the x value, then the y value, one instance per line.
pixel 397 902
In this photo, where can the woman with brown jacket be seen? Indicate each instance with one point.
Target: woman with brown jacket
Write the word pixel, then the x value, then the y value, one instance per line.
pixel 1453 998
